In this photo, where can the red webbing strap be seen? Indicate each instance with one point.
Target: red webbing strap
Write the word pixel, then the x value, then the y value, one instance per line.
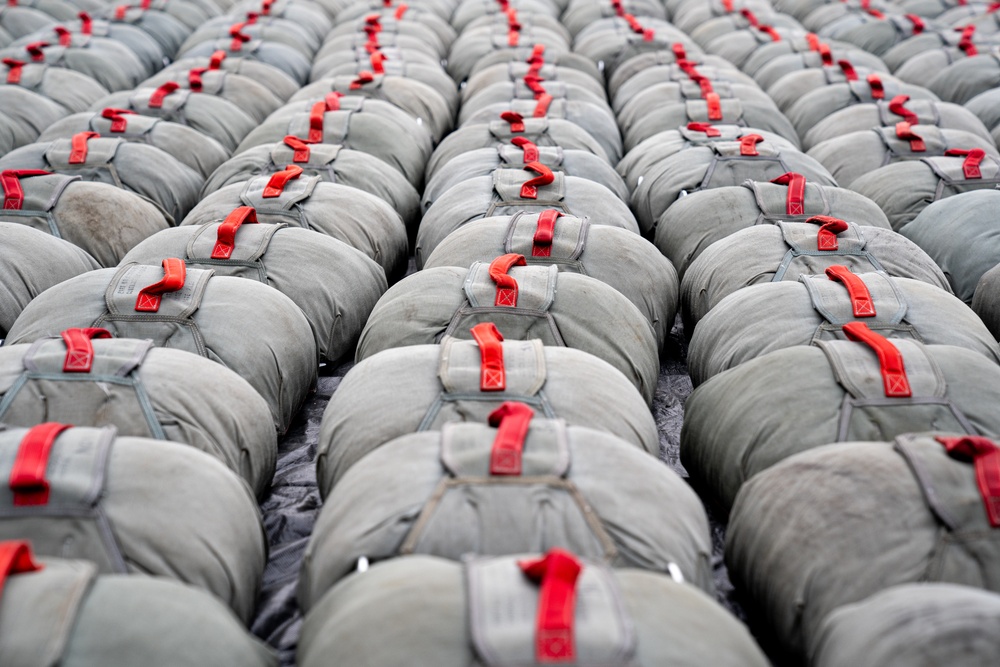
pixel 300 147
pixel 897 107
pixel 121 11
pixel 648 34
pixel 714 104
pixel 14 73
pixel 537 58
pixel 174 275
pixel 15 558
pixel 78 144
pixel 65 36
pixel 708 129
pixel 279 180
pixel 970 168
pixel 861 299
pixel 826 238
pixel 679 52
pixel 748 144
pixel 252 17
pixel 225 240
pixel 239 37
pixel 506 285
pixel 215 61
pixel 145 4
pixel 558 572
pixel 727 6
pixel 529 190
pixel 401 11
pixel 79 350
pixel 515 120
pixel 265 7
pixel 373 23
pixel 117 117
pixel 918 23
pixel 795 200
pixel 534 83
pixel 10 179
pixel 965 43
pixel 750 17
pixel 826 55
pixel 35 50
pixel 993 7
pixel 770 32
pixel 378 62
pixel 812 39
pixel 875 83
pixel 512 421
pixel 906 133
pixel 542 107
pixel 985 455
pixel 618 7
pixel 156 99
pixel 513 27
pixel 194 78
pixel 86 23
pixel 316 122
pixel 848 69
pixel 541 242
pixel 372 45
pixel 529 148
pixel 364 77
pixel 27 477
pixel 492 374
pixel 890 359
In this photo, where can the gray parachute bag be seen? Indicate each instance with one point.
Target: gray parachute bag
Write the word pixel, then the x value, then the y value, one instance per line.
pixel 927 181
pixel 469 489
pixel 60 612
pixel 103 220
pixel 273 78
pixel 421 387
pixel 23 277
pixel 139 168
pixel 168 29
pixel 773 316
pixel 801 43
pixel 789 66
pixel 359 219
pixel 698 220
pixel 288 59
pixel 142 391
pixel 391 62
pixel 649 63
pixel 984 301
pixel 902 625
pixel 525 302
pixel 444 613
pixel 617 257
pixel 512 72
pixel 480 41
pixel 416 21
pixel 23 116
pixel 614 40
pixel 110 63
pixel 248 95
pixel 905 512
pixel 532 188
pixel 968 77
pixel 681 71
pixel 335 285
pixel 466 12
pixel 267 29
pixel 188 146
pixel 191 310
pixel 332 163
pixel 95 496
pixel 863 388
pixel 74 91
pixel 984 107
pixel 735 21
pixel 787 250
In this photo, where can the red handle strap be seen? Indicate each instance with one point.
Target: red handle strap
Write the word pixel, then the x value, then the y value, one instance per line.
pixel 707 128
pixel 145 4
pixel 215 61
pixel 279 180
pixel 225 241
pixel 897 107
pixel 316 116
pixel 492 374
pixel 545 177
pixel 27 477
pixel 515 120
pixel 748 144
pixel 512 421
pixel 79 350
pixel 679 52
pixel 529 148
pixel 890 359
pixel 195 82
pixel 78 144
pixel 795 200
pixel 813 40
pixel 13 194
pixel 848 69
pixel 506 285
pixel 300 148
pixel 537 58
pixel 918 23
pixel 714 104
pixel 401 11
pixel 156 99
pixel 906 133
pixel 542 107
pixel 770 32
pixel 534 84
pixel 965 42
pixel 985 455
pixel 174 275
pixel 750 17
pixel 648 34
pixel 513 27
pixel 826 238
pixel 86 23
pixel 861 299
pixel 825 55
pixel 875 83
pixel 36 51
pixel 14 73
pixel 117 117
pixel 373 23
pixel 265 7
pixel 558 572
pixel 239 37
pixel 541 242
pixel 378 62
pixel 15 558
pixel 121 11
pixel 364 77
pixel 618 7
pixel 65 36
pixel 970 168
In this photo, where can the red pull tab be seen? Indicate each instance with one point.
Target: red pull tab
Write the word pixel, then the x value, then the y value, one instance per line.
pixel 300 147
pixel 492 374
pixel 78 152
pixel 316 123
pixel 875 83
pixel 86 23
pixel 332 100
pixel 795 200
pixel 513 27
pixel 174 275
pixel 708 129
pixel 826 238
pixel 215 62
pixel 401 11
pixel 541 242
pixel 826 55
pixel 373 23
pixel 515 120
pixel 889 358
pixel 861 299
pixel 156 99
pixel 13 194
pixel 618 7
pixel 813 40
pixel 195 82
pixel 727 6
pixel 363 77
pixel 534 84
pixel 512 420
pixel 965 43
pixel 14 73
pixel 542 107
pixel 121 11
pixel 906 133
pixel 529 148
pixel 750 17
pixel 848 69
pixel 918 23
pixel 239 37
pixel 506 285
pixel 545 177
pixel 770 32
pixel 65 36
pixel 537 58
pixel 985 455
pixel 16 558
pixel 279 180
pixel 714 105
pixel 79 350
pixel 970 168
pixel 117 117
pixel 27 477
pixel 678 50
pixel 36 51
pixel 896 106
pixel 378 62
pixel 225 241
pixel 748 144
pixel 558 572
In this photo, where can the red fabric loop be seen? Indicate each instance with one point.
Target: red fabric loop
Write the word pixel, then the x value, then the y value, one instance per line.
pixel 826 238
pixel 918 23
pixel 727 6
pixel 239 37
pixel 156 99
pixel 906 133
pixel 215 62
pixel 15 557
pixel 848 69
pixel 174 275
pixel 896 106
pixel 506 285
pixel 401 11
pixel 679 52
pixel 279 180
pixel 363 77
pixel 492 374
pixel 14 73
pixel 119 123
pixel 10 179
pixel 795 200
pixel 542 108
pixel 770 32
pixel 27 476
pixel 528 147
pixel 875 83
pixel 529 190
pixel 195 82
pixel 316 115
pixel 78 152
pixel 121 11
pixel 618 7
pixel 541 242
pixel 378 62
pixel 300 147
pixel 534 84
pixel 65 36
pixel 812 39
pixel 35 50
pixel 515 119
pixel 558 572
pixel 707 128
pixel 965 43
pixel 861 299
pixel 79 350
pixel 86 23
pixel 750 17
pixel 714 105
pixel 225 240
pixel 265 7
pixel 890 359
pixel 537 58
pixel 512 421
pixel 970 168
pixel 825 54
pixel 985 456
pixel 748 144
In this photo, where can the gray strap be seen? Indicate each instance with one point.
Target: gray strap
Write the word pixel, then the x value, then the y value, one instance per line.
pixel 173 104
pixel 536 286
pixel 726 133
pixel 802 237
pixel 896 147
pixel 949 170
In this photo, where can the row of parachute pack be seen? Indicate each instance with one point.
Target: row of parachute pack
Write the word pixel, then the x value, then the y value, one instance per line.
pixel 502 219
